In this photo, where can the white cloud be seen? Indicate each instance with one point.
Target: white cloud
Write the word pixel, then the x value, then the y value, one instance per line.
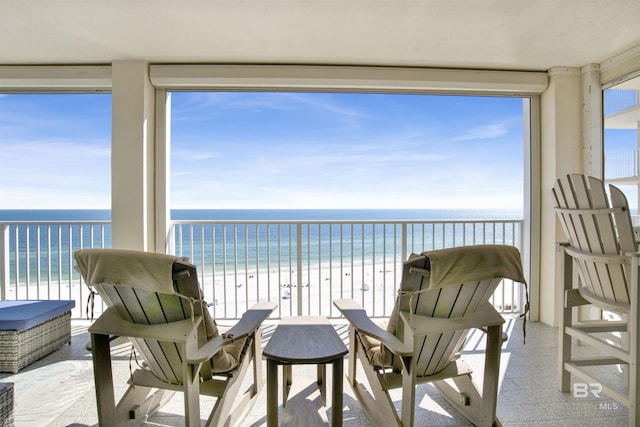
pixel 488 131
pixel 313 151
pixel 192 155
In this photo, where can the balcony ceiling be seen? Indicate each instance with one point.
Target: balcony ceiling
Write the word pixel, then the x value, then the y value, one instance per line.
pixel 484 34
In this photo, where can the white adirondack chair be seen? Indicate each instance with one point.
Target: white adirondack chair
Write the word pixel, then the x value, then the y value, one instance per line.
pixel 600 269
pixel 155 300
pixel 443 296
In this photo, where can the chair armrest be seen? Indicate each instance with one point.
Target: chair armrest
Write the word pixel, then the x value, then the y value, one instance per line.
pixel 110 323
pixel 358 318
pixel 484 316
pixel 248 323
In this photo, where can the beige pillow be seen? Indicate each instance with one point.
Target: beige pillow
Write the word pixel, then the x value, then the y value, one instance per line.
pixel 227 358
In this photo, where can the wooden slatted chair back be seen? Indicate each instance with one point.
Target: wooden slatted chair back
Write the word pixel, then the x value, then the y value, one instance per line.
pixel 600 233
pixel 445 346
pixel 146 307
pixel 436 350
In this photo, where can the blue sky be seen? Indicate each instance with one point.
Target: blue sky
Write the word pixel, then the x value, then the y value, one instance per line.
pixel 275 150
pixel 328 150
pixel 55 151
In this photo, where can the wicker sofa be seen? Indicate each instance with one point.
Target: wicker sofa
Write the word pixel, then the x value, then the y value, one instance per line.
pixel 32 329
pixel 6 404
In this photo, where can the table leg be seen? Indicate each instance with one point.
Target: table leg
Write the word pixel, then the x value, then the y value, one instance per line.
pixel 322 382
pixel 272 393
pixel 336 393
pixel 287 379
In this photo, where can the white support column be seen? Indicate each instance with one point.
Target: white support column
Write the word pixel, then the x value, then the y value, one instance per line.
pixel 561 153
pixel 592 137
pixel 592 122
pixel 163 169
pixel 532 168
pixel 133 157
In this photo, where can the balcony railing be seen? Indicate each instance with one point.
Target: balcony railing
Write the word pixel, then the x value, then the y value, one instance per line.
pixel 622 164
pixel 306 265
pixel 37 259
pixel 300 264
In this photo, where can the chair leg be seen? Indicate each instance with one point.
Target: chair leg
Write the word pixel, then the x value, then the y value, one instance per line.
pixel 231 407
pixel 408 396
pixel 191 392
pixel 103 379
pixel 375 401
pixel 491 375
pixel 258 378
pixel 634 410
pixel 353 356
pixel 634 344
pixel 565 316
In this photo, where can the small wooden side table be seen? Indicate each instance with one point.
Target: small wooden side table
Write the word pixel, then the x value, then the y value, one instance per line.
pixel 304 341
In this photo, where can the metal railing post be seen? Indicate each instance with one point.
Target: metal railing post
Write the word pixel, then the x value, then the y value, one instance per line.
pixel 404 242
pixel 299 266
pixel 525 252
pixel 4 261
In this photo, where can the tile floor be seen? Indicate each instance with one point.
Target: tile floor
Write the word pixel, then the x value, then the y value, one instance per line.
pixel 58 390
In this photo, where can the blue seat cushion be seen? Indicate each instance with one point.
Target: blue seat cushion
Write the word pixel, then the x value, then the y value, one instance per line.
pixel 24 314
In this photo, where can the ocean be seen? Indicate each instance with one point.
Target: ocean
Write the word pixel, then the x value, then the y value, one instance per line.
pixel 252 247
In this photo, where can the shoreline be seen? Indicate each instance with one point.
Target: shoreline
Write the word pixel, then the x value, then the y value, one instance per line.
pixel 374 290
pixel 229 294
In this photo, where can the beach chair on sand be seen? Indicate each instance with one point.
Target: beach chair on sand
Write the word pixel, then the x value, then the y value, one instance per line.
pixel 155 300
pixel 443 295
pixel 599 267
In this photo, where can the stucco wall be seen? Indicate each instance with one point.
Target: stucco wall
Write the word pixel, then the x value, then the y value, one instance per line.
pixel 561 153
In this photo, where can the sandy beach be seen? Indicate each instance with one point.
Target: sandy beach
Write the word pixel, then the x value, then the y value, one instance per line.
pixel 308 292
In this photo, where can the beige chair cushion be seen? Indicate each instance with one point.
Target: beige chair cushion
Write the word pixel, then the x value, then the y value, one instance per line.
pixel 376 353
pixel 229 357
